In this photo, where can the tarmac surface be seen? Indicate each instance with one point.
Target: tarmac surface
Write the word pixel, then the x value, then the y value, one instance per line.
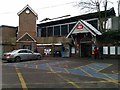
pixel 57 72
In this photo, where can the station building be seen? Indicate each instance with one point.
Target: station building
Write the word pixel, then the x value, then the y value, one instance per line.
pixel 68 35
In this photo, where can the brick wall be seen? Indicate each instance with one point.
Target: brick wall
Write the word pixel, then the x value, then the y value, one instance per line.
pixel 8 38
pixel 27 23
pixel 9 35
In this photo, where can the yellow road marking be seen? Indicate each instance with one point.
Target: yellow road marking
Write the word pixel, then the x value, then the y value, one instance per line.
pixel 68 81
pixel 74 84
pixel 103 68
pixel 22 81
pixel 112 79
pixel 85 72
pixel 91 68
pixel 51 72
pixel 84 65
pixel 66 70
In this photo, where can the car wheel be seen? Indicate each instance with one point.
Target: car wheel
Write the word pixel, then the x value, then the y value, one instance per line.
pixel 17 59
pixel 39 57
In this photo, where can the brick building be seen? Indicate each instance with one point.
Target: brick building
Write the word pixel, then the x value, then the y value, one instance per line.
pixel 26 36
pixel 8 36
pixel 71 36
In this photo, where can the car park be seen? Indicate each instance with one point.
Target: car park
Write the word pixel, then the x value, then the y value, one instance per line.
pixel 20 55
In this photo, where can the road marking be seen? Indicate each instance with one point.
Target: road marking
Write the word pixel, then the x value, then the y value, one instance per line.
pixel 114 81
pixel 92 68
pixel 22 81
pixel 68 81
pixel 74 84
pixel 85 72
pixel 103 68
pixel 66 70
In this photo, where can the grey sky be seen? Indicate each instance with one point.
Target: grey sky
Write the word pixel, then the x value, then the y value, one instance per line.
pixel 44 9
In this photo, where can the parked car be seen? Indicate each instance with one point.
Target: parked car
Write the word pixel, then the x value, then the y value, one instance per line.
pixel 21 54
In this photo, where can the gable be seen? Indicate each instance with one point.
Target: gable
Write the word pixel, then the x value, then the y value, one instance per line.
pixel 27 7
pixel 79 28
pixel 26 38
pixel 84 27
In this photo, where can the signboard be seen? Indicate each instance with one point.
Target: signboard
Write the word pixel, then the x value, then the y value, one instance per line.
pixel 79 29
pixel 79 26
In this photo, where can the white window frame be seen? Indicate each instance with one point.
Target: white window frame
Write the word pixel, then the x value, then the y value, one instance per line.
pixel 105 50
pixel 118 50
pixel 112 50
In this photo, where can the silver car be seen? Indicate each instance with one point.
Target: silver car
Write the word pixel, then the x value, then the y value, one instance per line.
pixel 21 54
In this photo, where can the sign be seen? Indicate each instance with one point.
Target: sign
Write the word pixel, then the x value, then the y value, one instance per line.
pixel 79 26
pixel 79 29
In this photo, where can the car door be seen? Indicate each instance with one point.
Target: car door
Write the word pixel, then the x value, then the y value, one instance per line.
pixel 23 54
pixel 30 55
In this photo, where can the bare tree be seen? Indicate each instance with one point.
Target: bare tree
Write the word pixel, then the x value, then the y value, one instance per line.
pixel 118 14
pixel 118 7
pixel 96 6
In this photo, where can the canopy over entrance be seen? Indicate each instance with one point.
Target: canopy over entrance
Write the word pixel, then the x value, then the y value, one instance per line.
pixel 84 27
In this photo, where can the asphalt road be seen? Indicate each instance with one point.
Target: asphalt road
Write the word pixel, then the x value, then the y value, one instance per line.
pixel 61 73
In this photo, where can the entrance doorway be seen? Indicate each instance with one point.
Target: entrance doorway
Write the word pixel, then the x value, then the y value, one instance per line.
pixel 27 47
pixel 86 49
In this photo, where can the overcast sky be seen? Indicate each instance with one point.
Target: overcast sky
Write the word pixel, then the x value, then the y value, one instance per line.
pixel 44 9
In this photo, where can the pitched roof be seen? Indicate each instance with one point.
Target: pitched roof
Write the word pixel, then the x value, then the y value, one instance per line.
pixel 26 38
pixel 86 27
pixel 27 6
pixel 110 12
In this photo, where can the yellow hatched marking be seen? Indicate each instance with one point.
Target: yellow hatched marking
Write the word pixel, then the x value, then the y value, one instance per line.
pixel 68 81
pixel 66 70
pixel 85 72
pixel 103 68
pixel 84 65
pixel 91 68
pixel 112 79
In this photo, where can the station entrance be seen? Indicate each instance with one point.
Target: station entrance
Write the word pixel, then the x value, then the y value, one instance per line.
pixel 85 50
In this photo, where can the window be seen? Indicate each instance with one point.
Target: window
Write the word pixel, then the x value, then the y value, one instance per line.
pixel 105 49
pixel 64 30
pixel 112 50
pixel 108 24
pixel 118 50
pixel 43 32
pixel 71 26
pixel 29 51
pixel 50 31
pixel 73 50
pixel 22 51
pixel 57 31
pixel 39 32
pixel 94 23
